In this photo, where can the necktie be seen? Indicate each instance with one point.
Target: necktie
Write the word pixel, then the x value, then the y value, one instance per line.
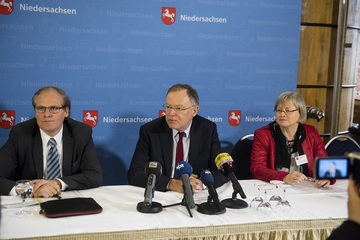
pixel 53 164
pixel 180 148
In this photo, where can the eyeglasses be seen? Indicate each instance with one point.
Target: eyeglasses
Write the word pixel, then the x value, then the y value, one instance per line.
pixel 39 109
pixel 176 109
pixel 286 111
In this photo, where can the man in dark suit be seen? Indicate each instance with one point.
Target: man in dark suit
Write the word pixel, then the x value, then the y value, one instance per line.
pixel 333 172
pixel 24 155
pixel 158 140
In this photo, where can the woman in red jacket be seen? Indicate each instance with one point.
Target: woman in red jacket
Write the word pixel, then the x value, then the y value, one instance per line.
pixel 286 148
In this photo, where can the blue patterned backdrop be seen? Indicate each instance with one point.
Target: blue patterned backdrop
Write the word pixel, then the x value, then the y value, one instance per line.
pixel 117 58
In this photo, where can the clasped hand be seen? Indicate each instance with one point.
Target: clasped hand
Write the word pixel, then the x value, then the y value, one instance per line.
pixel 45 188
pixel 196 184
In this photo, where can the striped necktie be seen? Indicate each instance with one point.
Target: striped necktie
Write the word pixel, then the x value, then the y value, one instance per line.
pixel 53 163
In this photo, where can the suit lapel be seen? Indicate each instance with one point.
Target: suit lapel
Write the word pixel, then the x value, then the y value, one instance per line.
pixel 195 138
pixel 38 155
pixel 68 149
pixel 166 142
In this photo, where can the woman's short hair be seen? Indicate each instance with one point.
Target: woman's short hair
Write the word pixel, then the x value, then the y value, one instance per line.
pixel 297 99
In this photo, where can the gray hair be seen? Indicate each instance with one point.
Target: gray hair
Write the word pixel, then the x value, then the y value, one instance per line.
pixel 297 99
pixel 65 98
pixel 191 92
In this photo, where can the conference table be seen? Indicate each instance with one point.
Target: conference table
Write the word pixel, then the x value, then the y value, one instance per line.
pixel 314 213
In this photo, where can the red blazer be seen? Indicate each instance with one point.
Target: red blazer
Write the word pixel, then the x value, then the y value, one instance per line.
pixel 263 153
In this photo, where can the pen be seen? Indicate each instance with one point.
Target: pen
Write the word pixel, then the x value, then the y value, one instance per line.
pixel 324 184
pixel 313 180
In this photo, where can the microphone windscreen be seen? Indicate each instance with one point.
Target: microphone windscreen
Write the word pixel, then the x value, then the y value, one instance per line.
pixel 222 158
pixel 153 168
pixel 206 177
pixel 182 168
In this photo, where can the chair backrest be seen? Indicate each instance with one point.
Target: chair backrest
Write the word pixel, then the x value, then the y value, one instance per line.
pixel 241 153
pixel 341 144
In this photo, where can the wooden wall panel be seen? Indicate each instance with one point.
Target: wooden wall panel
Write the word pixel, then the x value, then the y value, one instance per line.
pixel 320 11
pixel 316 50
pixel 318 36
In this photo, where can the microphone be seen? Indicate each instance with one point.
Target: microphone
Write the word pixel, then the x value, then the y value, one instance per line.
pixel 213 205
pixel 314 112
pixel 183 170
pixel 224 163
pixel 152 171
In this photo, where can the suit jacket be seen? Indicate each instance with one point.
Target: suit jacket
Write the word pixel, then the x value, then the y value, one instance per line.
pixel 156 144
pixel 21 157
pixel 263 153
pixel 337 174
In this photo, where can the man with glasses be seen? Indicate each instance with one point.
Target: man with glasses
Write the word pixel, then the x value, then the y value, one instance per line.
pixel 52 150
pixel 286 148
pixel 159 138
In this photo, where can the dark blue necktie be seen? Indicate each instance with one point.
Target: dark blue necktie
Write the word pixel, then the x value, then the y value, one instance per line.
pixel 53 163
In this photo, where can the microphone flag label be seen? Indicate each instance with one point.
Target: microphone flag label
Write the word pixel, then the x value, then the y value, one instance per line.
pixel 7 118
pixel 168 15
pixel 234 117
pixel 90 117
pixel 223 158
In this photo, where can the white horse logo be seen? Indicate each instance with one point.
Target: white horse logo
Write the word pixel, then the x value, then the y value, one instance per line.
pixel 6 4
pixel 169 15
pixel 4 117
pixel 234 117
pixel 88 117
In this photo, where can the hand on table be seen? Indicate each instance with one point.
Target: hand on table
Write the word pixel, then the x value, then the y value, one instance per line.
pixel 196 184
pixel 294 178
pixel 177 185
pixel 322 183
pixel 46 188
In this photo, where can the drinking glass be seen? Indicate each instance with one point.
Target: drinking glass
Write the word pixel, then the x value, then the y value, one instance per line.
pixel 284 204
pixel 276 197
pixel 265 206
pixel 258 199
pixel 23 189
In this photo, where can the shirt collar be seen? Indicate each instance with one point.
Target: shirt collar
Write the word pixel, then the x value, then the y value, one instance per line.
pixel 187 132
pixel 45 138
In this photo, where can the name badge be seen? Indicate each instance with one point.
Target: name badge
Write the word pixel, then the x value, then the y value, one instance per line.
pixel 301 160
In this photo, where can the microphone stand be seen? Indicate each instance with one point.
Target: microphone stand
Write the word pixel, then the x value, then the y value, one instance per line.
pixel 185 202
pixel 234 202
pixel 154 207
pixel 211 208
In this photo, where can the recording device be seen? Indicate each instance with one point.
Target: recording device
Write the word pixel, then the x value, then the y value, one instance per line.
pixel 315 113
pixel 183 171
pixel 152 171
pixel 224 163
pixel 341 167
pixel 213 205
